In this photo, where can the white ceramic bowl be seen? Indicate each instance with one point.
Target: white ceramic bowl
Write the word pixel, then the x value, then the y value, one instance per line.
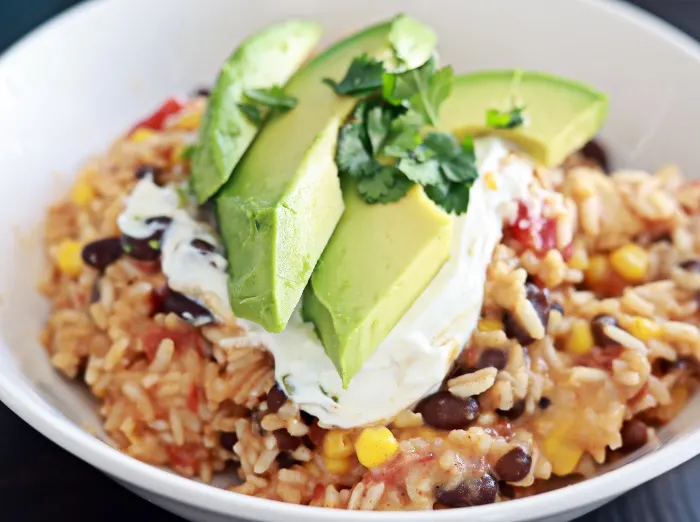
pixel 72 86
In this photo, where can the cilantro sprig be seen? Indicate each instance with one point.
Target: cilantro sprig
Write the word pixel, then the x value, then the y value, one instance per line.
pixel 383 147
pixel 259 102
pixel 509 119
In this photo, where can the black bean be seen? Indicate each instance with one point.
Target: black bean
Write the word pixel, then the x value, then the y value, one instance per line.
pixel 506 490
pixel 513 466
pixel 227 440
pixel 558 307
pixel 146 249
pixel 515 412
pixel 307 418
pixel 275 398
pixel 285 441
pixel 203 246
pixel 540 301
pixel 444 411
pixel 162 221
pixel 103 252
pixel 471 492
pixel 285 460
pixel 634 435
pixel 598 325
pixel 593 150
pixel 152 170
pixel 691 265
pixel 186 308
pixel 82 368
pixel 492 358
pixel 545 402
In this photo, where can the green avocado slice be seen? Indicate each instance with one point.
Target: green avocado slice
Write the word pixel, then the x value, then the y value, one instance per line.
pixel 266 59
pixel 283 201
pixel 562 114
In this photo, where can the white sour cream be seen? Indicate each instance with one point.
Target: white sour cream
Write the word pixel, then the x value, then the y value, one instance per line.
pixel 414 358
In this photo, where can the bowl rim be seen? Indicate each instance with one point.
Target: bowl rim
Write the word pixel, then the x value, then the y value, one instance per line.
pixel 590 492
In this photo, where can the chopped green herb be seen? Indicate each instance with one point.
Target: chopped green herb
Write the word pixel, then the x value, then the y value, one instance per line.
pixel 452 197
pixel 184 194
pixel 188 152
pixel 331 396
pixel 424 173
pixel 252 112
pixel 352 155
pixel 511 119
pixel 126 248
pixel 154 244
pixel 288 387
pixel 364 76
pixel 386 185
pixel 273 97
pixel 404 135
pixel 413 42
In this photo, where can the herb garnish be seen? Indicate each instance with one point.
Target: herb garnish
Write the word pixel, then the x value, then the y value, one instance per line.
pixel 259 102
pixel 510 119
pixel 382 146
pixel 332 397
pixel 288 388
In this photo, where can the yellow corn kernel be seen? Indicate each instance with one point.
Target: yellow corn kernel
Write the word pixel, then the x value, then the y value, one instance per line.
pixel 643 329
pixel 141 134
pixel 69 258
pixel 579 259
pixel 337 444
pixel 490 324
pixel 188 122
pixel 82 194
pixel 490 181
pixel 562 454
pixel 336 465
pixel 630 262
pixel 580 340
pixel 598 269
pixel 374 446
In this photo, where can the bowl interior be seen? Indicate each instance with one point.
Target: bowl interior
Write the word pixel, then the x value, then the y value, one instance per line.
pixel 69 89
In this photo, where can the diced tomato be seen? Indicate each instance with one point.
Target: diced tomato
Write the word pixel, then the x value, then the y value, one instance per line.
pixel 182 456
pixel 534 232
pixel 184 338
pixel 193 399
pixel 319 491
pixel 156 120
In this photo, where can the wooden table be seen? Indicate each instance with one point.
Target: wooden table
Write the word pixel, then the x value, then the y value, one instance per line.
pixel 40 482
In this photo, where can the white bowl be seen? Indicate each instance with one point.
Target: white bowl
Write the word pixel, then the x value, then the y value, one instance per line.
pixel 72 86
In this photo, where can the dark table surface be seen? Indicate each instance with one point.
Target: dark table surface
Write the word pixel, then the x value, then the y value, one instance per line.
pixel 40 482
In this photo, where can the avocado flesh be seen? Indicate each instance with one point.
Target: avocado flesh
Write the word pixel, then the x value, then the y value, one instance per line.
pixel 378 261
pixel 562 114
pixel 280 207
pixel 263 60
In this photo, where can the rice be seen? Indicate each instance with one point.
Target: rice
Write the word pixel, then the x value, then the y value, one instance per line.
pixel 196 400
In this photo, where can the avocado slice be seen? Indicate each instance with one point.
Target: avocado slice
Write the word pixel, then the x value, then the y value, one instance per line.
pixel 379 260
pixel 280 207
pixel 263 60
pixel 562 114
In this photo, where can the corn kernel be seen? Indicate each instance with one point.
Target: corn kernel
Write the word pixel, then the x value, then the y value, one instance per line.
pixel 375 446
pixel 188 122
pixel 630 262
pixel 490 181
pixel 490 324
pixel 336 465
pixel 579 259
pixel 82 194
pixel 562 454
pixel 428 434
pixel 644 329
pixel 580 341
pixel 141 134
pixel 337 444
pixel 69 258
pixel 598 269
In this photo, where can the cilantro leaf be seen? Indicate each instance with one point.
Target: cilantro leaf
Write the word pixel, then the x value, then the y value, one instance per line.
pixel 352 155
pixel 273 97
pixel 424 173
pixel 422 90
pixel 457 163
pixel 364 76
pixel 378 127
pixel 404 135
pixel 385 186
pixel 452 197
pixel 252 112
pixel 412 42
pixel 505 119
